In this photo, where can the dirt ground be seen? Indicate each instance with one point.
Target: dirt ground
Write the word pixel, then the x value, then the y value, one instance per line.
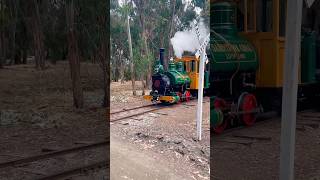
pixel 36 113
pixel 121 95
pixel 257 157
pixel 158 145
pixel 165 138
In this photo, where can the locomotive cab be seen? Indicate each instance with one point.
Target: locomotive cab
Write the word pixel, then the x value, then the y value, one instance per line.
pixel 191 66
pixel 263 24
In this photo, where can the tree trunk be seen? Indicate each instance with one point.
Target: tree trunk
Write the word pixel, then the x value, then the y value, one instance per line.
pixel 141 5
pixel 170 48
pixel 122 69
pixel 2 51
pixel 117 68
pixel 147 55
pixel 133 79
pixel 24 41
pixel 14 14
pixel 73 57
pixel 24 56
pixel 38 37
pixel 105 67
pixel 105 58
pixel 145 43
pixel 17 57
pixel 2 45
pixel 143 87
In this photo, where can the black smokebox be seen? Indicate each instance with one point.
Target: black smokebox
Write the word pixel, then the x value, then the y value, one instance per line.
pixel 161 56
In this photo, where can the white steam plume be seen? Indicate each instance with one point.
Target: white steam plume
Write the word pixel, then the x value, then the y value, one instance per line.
pixel 187 40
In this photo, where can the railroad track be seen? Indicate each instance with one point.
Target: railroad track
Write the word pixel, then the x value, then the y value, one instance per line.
pixel 306 120
pixel 133 112
pixel 261 119
pixel 78 170
pixel 305 115
pixel 140 110
pixel 134 108
pixel 57 153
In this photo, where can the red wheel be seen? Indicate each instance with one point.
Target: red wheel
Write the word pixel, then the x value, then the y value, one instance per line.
pixel 219 129
pixel 187 95
pixel 219 105
pixel 248 103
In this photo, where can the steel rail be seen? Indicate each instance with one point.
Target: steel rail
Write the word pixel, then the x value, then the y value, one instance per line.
pixel 78 170
pixel 261 119
pixel 144 112
pixel 138 107
pixel 52 154
pixel 137 114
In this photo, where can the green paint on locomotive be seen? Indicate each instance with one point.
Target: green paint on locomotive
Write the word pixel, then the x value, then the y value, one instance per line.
pixel 206 80
pixel 216 114
pixel 178 76
pixel 229 51
pixel 308 57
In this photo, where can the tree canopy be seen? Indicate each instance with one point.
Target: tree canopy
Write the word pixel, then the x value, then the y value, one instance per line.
pixel 152 25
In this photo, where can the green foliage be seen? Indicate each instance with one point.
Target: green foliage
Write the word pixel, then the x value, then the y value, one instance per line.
pixel 54 28
pixel 90 31
pixel 159 16
pixel 4 16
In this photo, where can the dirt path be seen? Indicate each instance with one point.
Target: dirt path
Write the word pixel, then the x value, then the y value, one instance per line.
pixel 130 162
pixel 165 137
pixel 37 115
pixel 253 153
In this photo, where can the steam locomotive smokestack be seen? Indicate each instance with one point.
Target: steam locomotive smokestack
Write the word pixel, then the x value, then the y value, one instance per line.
pixel 161 56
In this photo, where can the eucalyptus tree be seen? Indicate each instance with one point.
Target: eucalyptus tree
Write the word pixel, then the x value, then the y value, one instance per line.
pixel 123 40
pixel 73 55
pixel 119 40
pixel 133 79
pixel 4 21
pixel 152 25
pixel 38 38
pixel 93 29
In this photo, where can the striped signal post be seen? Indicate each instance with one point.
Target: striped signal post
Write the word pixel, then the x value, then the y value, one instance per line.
pixel 290 87
pixel 196 27
pixel 203 60
pixel 202 51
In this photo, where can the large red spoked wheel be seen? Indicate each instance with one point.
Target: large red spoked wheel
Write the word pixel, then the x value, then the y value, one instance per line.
pixel 187 95
pixel 247 104
pixel 219 105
